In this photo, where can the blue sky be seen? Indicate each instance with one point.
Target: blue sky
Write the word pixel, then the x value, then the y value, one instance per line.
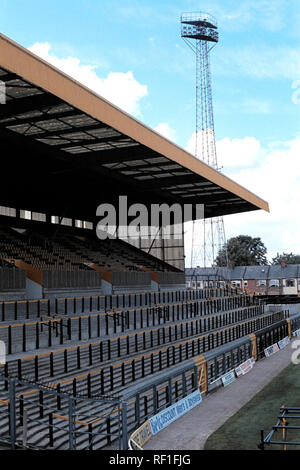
pixel 134 47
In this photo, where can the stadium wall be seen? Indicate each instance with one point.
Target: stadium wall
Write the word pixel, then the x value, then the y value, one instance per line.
pixel 12 284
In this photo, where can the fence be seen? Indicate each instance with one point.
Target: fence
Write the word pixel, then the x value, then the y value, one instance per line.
pixel 49 331
pixel 217 298
pixel 54 279
pixel 203 372
pixel 12 279
pixel 283 428
pixel 130 278
pixel 62 416
pixel 171 278
pixel 36 417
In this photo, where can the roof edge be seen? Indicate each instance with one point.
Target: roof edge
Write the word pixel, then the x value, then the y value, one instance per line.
pixel 32 68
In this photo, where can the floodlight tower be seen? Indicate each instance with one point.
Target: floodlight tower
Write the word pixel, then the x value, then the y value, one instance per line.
pixel 199 31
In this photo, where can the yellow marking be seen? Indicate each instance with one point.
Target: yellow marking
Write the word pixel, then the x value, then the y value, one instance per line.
pixel 65 418
pixel 288 320
pixel 32 392
pixel 284 431
pixel 199 360
pixel 252 336
pixel 143 434
pixel 30 324
pixel 85 423
pixel 4 402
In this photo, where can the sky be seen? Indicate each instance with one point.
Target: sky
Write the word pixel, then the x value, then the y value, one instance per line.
pixel 131 52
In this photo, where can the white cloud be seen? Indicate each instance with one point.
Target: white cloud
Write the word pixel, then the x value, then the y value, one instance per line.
pixel 275 178
pixel 233 15
pixel 263 62
pixel 165 130
pixel 254 106
pixel 237 152
pixel 262 13
pixel 205 140
pixel 122 89
pixel 272 173
pixel 190 147
pixel 230 152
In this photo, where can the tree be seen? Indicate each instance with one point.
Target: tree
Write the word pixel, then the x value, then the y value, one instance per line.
pixel 242 251
pixel 290 258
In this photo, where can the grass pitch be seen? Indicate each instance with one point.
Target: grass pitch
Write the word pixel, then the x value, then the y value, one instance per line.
pixel 242 430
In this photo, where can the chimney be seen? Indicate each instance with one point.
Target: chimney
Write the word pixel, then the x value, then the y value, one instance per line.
pixel 283 263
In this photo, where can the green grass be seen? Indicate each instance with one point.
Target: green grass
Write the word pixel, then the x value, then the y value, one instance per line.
pixel 242 430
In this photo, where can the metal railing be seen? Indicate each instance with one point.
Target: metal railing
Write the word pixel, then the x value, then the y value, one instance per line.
pixel 17 309
pixel 283 427
pixel 34 416
pixel 65 417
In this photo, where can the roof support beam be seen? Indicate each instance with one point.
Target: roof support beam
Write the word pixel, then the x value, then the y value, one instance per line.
pixel 8 77
pixel 171 181
pixel 137 152
pixel 30 103
pixel 93 140
pixel 217 197
pixel 70 130
pixel 41 117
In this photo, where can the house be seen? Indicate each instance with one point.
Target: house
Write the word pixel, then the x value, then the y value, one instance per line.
pixel 277 280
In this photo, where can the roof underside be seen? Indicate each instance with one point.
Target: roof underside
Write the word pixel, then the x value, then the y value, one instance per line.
pixel 61 154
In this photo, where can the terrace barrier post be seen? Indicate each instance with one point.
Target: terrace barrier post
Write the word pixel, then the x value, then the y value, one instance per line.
pixel 72 437
pixel 12 412
pixel 124 426
pixel 262 438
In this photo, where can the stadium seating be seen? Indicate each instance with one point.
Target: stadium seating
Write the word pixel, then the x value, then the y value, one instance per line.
pixel 73 253
pixel 37 251
pixel 67 261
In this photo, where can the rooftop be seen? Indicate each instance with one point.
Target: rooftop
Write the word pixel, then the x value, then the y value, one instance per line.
pixel 66 149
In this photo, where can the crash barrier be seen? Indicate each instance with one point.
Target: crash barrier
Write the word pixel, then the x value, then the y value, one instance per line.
pixel 236 358
pixel 267 340
pixel 63 416
pixel 284 427
pixel 106 379
pixel 15 310
pixel 170 278
pixel 48 364
pixel 60 329
pixel 56 279
pixel 162 419
pixel 33 416
pixel 287 426
pixel 130 278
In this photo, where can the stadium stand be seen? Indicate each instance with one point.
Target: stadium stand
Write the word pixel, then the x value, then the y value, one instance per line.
pixel 70 262
pixel 98 356
pixel 106 333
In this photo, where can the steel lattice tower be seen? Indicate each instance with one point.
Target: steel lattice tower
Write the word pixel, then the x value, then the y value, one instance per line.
pixel 199 31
